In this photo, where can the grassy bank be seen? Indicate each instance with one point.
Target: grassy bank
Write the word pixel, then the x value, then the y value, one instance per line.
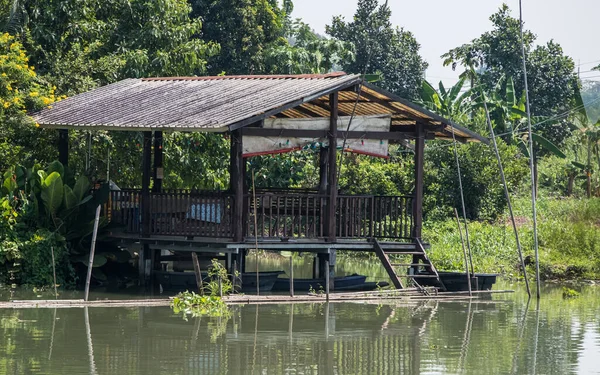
pixel 569 240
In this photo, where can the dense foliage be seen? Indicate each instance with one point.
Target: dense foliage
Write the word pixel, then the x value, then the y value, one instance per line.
pixel 50 49
pixel 381 48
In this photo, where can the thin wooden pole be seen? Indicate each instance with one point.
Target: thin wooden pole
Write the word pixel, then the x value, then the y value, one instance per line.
pixel 198 273
pixel 92 250
pixel 255 234
pixel 291 276
pixel 327 279
pixel 464 252
pixel 54 271
pixel 506 193
pixel 88 334
pixel 531 159
pixel 462 200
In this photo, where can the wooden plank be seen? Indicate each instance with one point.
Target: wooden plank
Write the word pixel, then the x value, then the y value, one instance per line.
pixel 197 273
pixel 386 264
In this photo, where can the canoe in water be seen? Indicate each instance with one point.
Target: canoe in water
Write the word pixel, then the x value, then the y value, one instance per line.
pixel 304 285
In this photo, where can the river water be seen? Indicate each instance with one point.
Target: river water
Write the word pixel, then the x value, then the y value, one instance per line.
pixel 502 335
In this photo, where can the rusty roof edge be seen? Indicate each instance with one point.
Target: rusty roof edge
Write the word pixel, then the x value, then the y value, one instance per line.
pixel 427 112
pixel 348 81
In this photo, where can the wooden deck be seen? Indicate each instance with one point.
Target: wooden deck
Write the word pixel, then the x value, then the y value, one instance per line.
pixel 280 216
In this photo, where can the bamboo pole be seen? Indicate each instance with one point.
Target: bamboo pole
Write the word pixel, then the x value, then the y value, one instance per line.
pixel 92 250
pixel 198 273
pixel 54 271
pixel 506 193
pixel 531 159
pixel 255 235
pixel 462 200
pixel 291 276
pixel 464 252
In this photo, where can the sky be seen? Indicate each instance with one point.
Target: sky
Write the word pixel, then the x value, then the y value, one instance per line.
pixel 440 25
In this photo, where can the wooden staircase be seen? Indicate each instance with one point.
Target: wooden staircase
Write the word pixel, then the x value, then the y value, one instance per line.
pixel 420 267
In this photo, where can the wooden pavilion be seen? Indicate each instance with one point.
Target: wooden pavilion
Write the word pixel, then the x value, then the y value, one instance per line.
pixel 262 115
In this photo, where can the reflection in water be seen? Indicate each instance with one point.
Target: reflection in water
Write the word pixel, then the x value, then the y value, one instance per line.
pixel 491 337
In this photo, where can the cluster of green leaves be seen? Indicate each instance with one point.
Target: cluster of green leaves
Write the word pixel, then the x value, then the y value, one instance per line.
pixel 209 302
pixel 195 305
pixel 44 211
pixel 381 48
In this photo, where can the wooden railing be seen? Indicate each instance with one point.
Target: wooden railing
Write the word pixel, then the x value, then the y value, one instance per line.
pixel 291 214
pixel 285 215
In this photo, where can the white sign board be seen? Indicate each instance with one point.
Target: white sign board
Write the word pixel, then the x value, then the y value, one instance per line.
pixel 254 146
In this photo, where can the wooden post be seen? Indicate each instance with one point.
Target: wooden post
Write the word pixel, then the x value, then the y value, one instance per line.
pixel 236 183
pixel 145 255
pixel 418 193
pixel 323 157
pixel 63 146
pixel 158 172
pixel 88 279
pixel 332 170
pixel 419 171
pixel 198 273
pixel 291 276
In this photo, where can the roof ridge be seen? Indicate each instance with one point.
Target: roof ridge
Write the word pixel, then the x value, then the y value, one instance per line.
pixel 259 76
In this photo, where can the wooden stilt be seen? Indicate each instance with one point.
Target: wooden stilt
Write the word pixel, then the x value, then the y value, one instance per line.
pixel 145 253
pixel 236 184
pixel 158 172
pixel 63 147
pixel 332 170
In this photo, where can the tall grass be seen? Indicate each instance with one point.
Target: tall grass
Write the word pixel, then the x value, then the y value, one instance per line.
pixel 568 232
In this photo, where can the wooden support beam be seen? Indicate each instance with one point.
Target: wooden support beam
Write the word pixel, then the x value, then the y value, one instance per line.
pixel 63 146
pixel 146 168
pixel 419 172
pixel 236 183
pixel 389 106
pixel 323 158
pixel 158 172
pixel 303 133
pixel 385 260
pixel 308 111
pixel 326 106
pixel 332 170
pixel 145 256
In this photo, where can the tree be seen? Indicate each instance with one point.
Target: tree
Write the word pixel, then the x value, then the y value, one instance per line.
pixel 21 90
pixel 89 43
pixel 497 53
pixel 451 103
pixel 381 48
pixel 245 29
pixel 305 52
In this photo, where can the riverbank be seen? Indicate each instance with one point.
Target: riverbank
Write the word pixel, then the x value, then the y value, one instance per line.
pixel 568 232
pixel 569 242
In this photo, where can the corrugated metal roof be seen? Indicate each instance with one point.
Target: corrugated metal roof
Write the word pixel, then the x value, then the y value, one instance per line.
pixel 224 103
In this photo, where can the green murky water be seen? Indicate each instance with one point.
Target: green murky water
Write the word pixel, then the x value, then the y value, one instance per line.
pixel 505 335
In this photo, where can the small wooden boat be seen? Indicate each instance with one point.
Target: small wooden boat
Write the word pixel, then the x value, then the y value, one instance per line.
pixel 181 281
pixel 457 281
pixel 266 281
pixel 304 285
pixel 365 287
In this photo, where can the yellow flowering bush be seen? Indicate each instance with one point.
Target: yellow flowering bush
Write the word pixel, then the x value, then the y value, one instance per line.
pixel 21 90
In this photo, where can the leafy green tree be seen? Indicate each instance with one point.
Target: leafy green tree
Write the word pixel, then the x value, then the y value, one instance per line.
pixel 245 29
pixel 381 48
pixel 21 90
pixel 305 52
pixel 497 53
pixel 92 42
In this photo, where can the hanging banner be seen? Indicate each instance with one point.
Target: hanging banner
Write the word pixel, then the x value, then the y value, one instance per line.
pixel 254 145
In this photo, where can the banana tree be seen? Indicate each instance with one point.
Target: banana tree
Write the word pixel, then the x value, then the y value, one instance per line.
pixel 589 135
pixel 451 103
